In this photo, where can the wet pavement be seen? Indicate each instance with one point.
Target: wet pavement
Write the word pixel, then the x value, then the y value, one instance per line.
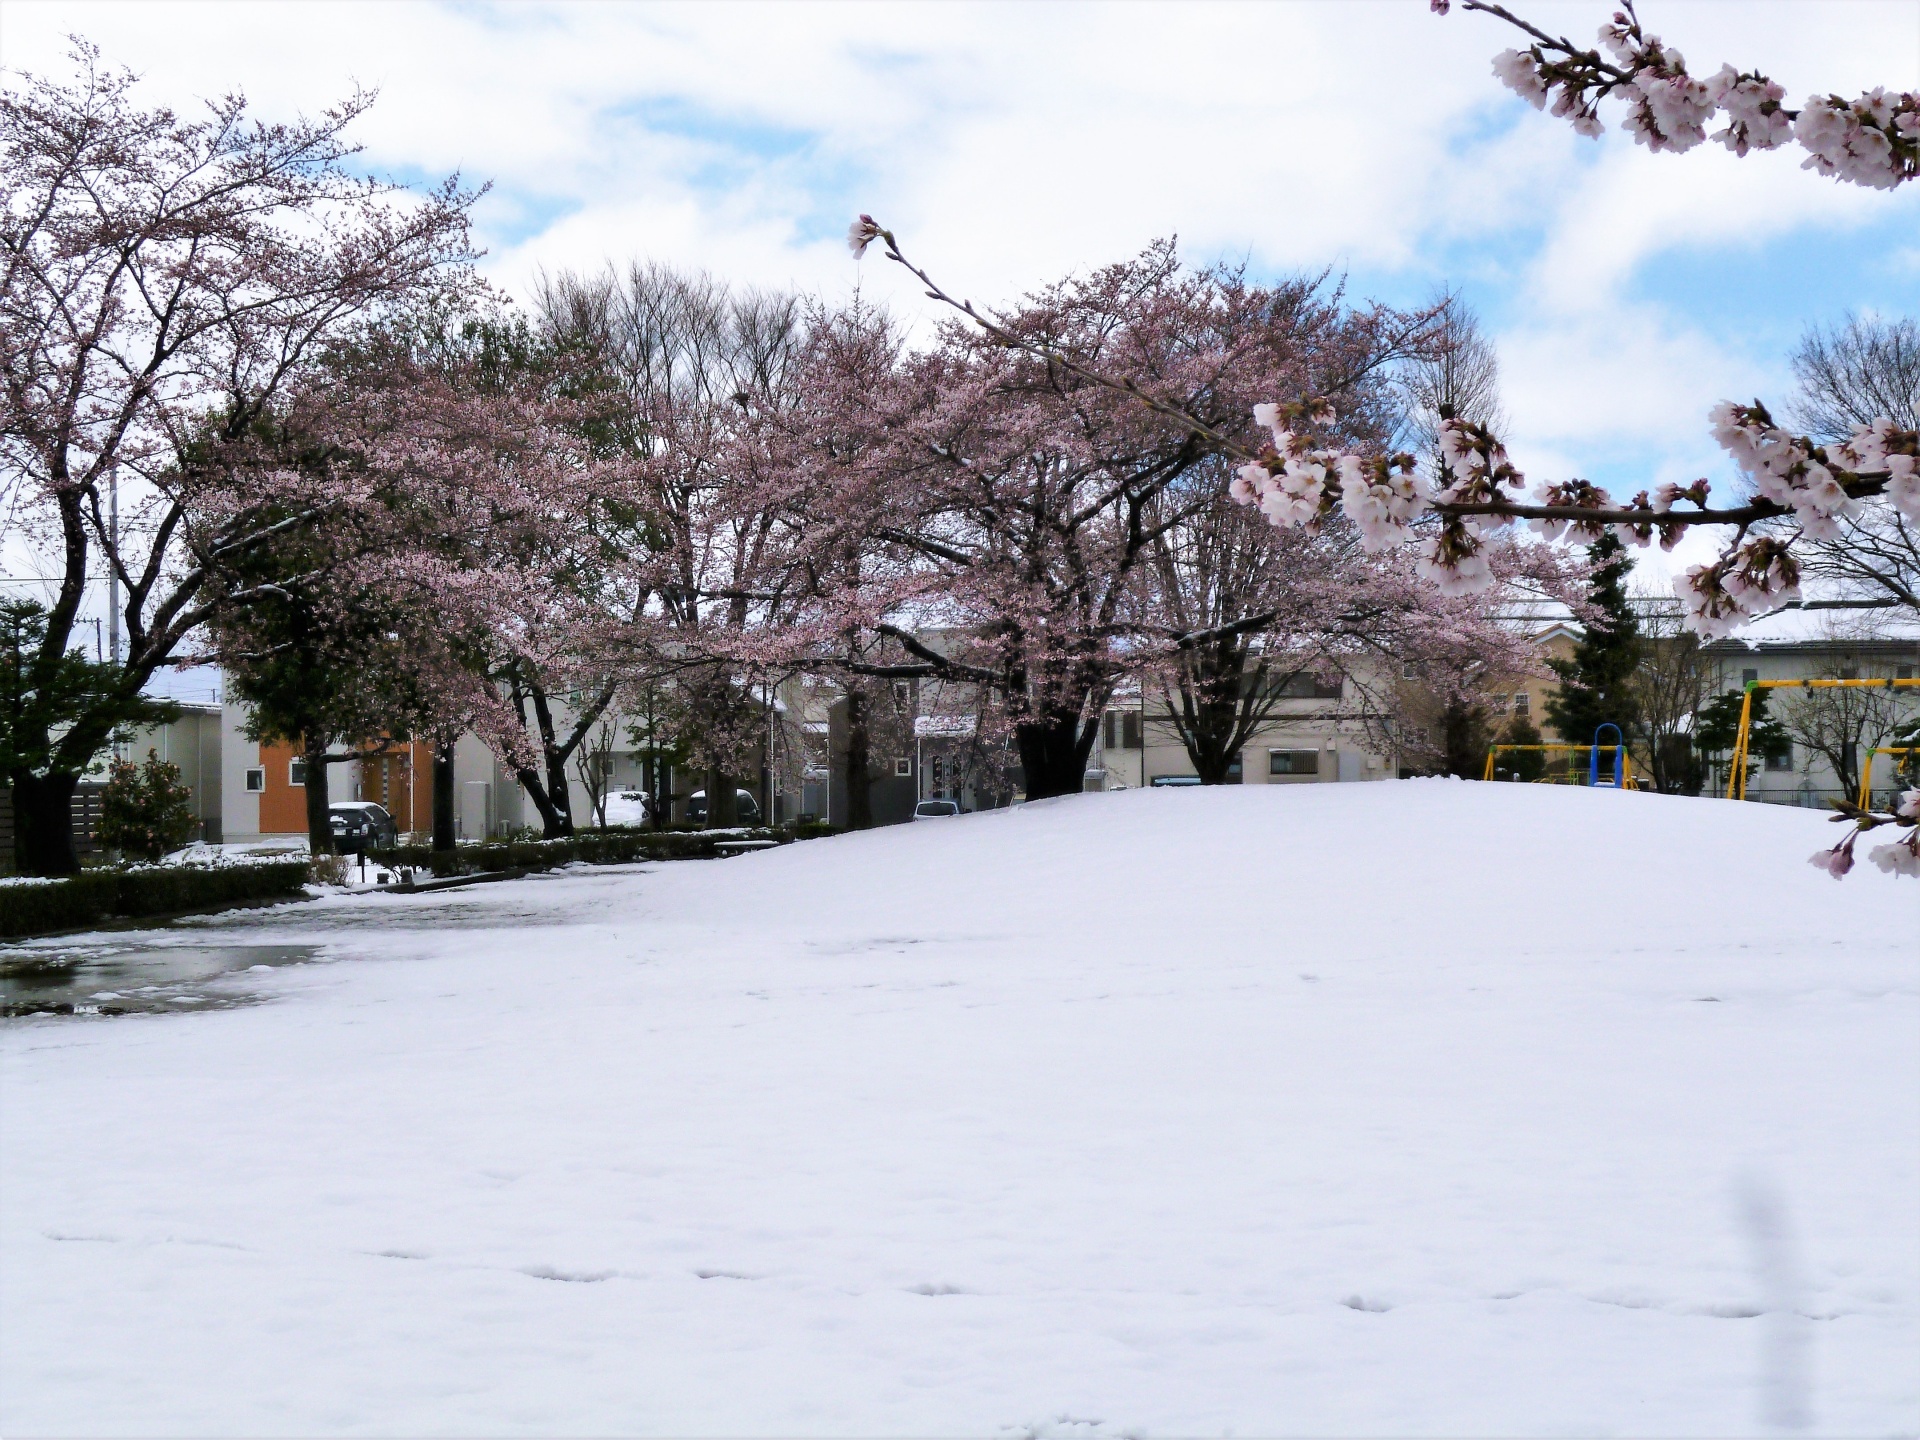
pixel 136 976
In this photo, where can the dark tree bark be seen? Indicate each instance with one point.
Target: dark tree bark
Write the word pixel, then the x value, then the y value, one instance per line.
pixel 723 806
pixel 1464 732
pixel 859 762
pixel 313 754
pixel 443 837
pixel 1054 754
pixel 43 823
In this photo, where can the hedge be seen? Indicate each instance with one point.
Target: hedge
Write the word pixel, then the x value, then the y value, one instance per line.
pixel 595 847
pixel 30 908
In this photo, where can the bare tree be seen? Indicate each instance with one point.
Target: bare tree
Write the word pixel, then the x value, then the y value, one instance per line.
pixel 1841 723
pixel 593 763
pixel 1849 374
pixel 1457 375
pixel 1671 682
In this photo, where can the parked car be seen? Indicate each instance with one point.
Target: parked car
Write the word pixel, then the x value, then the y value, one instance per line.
pixel 936 809
pixel 629 807
pixel 360 826
pixel 749 808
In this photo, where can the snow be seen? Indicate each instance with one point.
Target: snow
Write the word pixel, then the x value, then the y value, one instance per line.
pixel 1400 1108
pixel 627 807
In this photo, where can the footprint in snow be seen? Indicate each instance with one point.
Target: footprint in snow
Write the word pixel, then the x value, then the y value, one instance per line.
pixel 1371 1307
pixel 574 1277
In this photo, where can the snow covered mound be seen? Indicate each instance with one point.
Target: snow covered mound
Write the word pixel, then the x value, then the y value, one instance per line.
pixel 1400 1108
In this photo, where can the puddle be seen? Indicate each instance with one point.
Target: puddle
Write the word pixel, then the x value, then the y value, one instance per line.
pixel 135 979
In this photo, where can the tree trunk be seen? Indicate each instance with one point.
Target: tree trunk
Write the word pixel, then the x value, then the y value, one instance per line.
pixel 43 824
pixel 1054 752
pixel 559 793
pixel 1463 732
pixel 443 838
pixel 859 761
pixel 551 799
pixel 723 806
pixel 553 825
pixel 313 754
pixel 1213 703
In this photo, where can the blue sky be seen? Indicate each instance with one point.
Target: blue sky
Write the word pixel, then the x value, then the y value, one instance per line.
pixel 1009 144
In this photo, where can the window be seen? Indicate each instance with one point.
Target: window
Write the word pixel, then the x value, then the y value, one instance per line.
pixel 1522 703
pixel 256 781
pixel 902 692
pixel 1233 767
pixel 1123 730
pixel 1293 762
pixel 1781 759
pixel 1303 685
pixel 903 766
pixel 296 772
pixel 1903 672
pixel 1747 677
pixel 1849 672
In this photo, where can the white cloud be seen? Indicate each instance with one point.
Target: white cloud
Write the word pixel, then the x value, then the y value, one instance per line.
pixel 1008 144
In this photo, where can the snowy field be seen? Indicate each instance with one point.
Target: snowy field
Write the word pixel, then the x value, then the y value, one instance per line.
pixel 1419 1108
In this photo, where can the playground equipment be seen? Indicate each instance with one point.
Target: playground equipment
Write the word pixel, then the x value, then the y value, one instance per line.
pixel 1619 748
pixel 1737 769
pixel 1622 763
pixel 1866 768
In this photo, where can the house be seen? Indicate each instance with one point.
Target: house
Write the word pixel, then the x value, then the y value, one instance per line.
pixel 1811 645
pixel 1315 733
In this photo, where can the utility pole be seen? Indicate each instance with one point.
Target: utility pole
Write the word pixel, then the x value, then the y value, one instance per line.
pixel 113 572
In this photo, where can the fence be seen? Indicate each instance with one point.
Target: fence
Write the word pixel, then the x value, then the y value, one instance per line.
pixel 86 822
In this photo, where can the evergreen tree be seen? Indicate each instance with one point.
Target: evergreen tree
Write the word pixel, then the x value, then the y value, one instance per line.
pixel 145 811
pixel 1717 727
pixel 1595 684
pixel 1526 765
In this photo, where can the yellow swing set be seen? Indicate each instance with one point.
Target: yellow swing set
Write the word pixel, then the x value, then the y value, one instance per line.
pixel 1737 769
pixel 1572 777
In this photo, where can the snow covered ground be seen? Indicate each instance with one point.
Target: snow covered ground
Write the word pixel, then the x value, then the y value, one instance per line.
pixel 1402 1108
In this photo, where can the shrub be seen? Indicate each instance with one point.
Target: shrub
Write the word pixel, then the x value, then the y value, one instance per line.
pixel 814 830
pixel 145 811
pixel 327 870
pixel 80 900
pixel 28 909
pixel 615 846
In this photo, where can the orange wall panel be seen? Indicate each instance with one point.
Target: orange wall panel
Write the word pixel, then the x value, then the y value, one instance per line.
pixel 283 806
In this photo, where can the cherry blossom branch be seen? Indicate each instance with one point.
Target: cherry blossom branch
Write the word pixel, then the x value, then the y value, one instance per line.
pixel 865 230
pixel 1873 140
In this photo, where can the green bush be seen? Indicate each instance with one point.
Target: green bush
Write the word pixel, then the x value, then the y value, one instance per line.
pixel 28 909
pixel 87 899
pixel 145 811
pixel 815 830
pixel 594 847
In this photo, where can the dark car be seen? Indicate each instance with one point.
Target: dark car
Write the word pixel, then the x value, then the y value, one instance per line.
pixel 748 811
pixel 360 826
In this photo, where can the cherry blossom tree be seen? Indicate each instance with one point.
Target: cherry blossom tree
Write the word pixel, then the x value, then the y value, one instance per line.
pixel 702 379
pixel 525 502
pixel 1470 490
pixel 1029 500
pixel 162 280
